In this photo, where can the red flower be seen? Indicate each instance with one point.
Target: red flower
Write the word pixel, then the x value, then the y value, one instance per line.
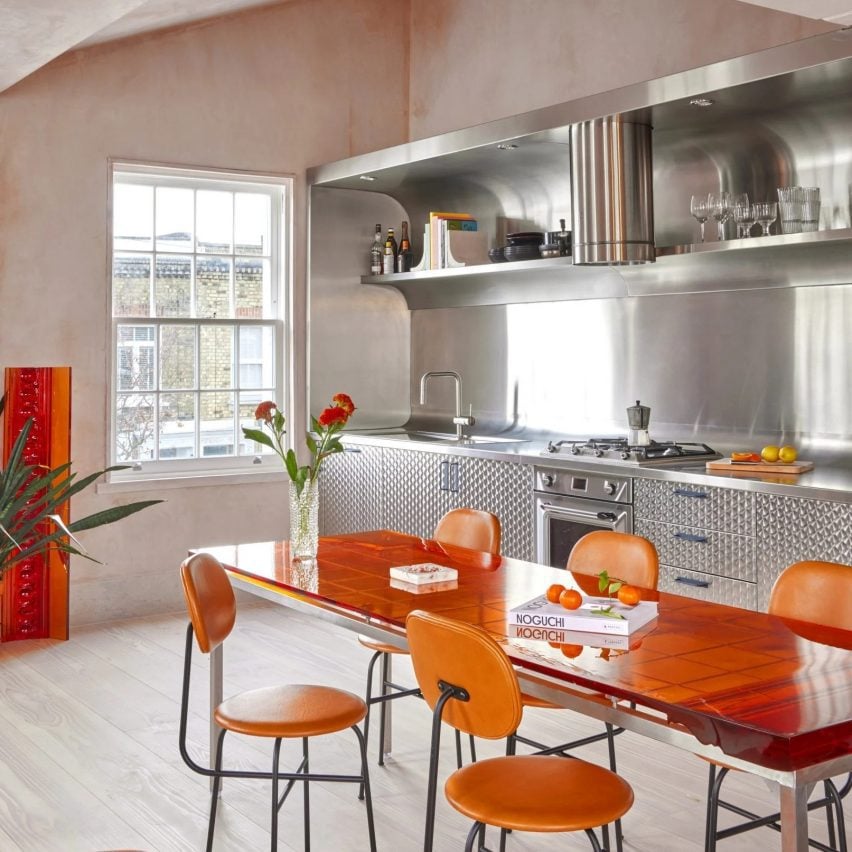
pixel 264 411
pixel 331 416
pixel 344 401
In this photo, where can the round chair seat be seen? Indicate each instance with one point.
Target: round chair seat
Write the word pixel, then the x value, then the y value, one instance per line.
pixel 538 793
pixel 294 710
pixel 375 645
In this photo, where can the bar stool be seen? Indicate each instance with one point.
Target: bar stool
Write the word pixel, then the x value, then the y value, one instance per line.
pixel 469 682
pixel 632 559
pixel 817 593
pixel 293 711
pixel 471 528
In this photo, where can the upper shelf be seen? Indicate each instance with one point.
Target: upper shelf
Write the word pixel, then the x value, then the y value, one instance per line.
pixel 786 260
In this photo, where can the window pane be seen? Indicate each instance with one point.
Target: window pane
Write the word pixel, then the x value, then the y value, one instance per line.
pixel 251 227
pixel 217 424
pixel 134 427
pixel 252 288
pixel 135 358
pixel 177 357
pixel 213 287
pixel 174 219
pixel 214 221
pixel 131 285
pixel 257 357
pixel 173 285
pixel 177 426
pixel 217 357
pixel 248 403
pixel 132 217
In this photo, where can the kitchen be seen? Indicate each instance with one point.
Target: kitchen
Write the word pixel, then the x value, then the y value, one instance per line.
pixel 59 105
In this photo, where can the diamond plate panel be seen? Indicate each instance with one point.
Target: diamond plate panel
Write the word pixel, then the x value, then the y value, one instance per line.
pixel 724 554
pixel 718 590
pixel 351 491
pixel 506 489
pixel 792 529
pixel 725 509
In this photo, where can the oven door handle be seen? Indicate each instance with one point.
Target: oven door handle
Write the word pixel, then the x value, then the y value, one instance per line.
pixel 584 513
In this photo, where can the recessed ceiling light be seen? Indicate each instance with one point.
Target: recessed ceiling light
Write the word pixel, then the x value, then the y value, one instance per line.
pixel 366 177
pixel 506 146
pixel 702 102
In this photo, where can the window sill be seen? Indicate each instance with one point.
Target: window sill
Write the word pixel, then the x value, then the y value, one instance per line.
pixel 190 479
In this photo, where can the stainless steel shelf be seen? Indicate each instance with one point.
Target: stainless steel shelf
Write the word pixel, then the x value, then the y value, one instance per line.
pixel 818 258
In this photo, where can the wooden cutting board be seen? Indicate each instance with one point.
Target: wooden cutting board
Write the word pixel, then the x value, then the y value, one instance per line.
pixel 760 467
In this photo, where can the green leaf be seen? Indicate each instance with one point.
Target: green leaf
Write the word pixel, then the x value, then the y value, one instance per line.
pixel 292 465
pixel 278 421
pixel 311 444
pixel 110 516
pixel 603 581
pixel 607 612
pixel 259 436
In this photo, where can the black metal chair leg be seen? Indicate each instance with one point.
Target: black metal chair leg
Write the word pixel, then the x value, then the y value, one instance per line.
pixel 214 796
pixel 593 840
pixel 832 793
pixel 714 785
pixel 472 749
pixel 472 835
pixel 829 811
pixel 365 784
pixel 307 796
pixel 383 709
pixel 276 757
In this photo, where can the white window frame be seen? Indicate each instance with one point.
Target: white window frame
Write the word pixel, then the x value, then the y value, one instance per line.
pixel 281 260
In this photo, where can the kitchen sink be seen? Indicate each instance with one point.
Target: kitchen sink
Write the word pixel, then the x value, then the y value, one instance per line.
pixel 440 437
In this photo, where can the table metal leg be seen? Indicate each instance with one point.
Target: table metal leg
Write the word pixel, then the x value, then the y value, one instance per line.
pixel 216 658
pixel 794 818
pixel 387 712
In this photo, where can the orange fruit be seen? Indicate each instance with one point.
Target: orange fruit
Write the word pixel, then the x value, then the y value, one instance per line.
pixel 553 592
pixel 571 599
pixel 572 651
pixel 629 595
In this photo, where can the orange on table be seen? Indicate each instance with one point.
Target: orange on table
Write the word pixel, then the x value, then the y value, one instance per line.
pixel 629 595
pixel 554 591
pixel 571 599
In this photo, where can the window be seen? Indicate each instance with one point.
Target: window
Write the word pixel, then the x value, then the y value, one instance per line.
pixel 198 262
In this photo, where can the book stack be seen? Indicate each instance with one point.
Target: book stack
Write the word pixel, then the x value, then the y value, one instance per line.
pixel 451 240
pixel 423 574
pixel 595 615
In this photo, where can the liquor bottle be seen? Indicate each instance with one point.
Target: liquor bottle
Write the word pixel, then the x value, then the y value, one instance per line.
pixel 403 256
pixel 389 256
pixel 377 251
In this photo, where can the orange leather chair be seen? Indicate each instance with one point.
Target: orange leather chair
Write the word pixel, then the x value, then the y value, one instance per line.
pixel 470 684
pixel 471 528
pixel 275 712
pixel 816 593
pixel 630 558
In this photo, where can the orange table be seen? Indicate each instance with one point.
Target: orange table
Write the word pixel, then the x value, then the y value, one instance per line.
pixel 767 695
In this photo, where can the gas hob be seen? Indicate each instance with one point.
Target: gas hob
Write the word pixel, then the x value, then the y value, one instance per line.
pixel 620 451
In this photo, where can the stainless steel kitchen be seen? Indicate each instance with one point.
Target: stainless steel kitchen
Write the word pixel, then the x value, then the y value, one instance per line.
pixel 565 562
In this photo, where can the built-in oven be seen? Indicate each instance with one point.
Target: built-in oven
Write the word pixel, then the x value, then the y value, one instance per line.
pixel 571 503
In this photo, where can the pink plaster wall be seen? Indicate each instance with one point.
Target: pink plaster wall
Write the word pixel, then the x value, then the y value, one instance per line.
pixel 478 60
pixel 274 90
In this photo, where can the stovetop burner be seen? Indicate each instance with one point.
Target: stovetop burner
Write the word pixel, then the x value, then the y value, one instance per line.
pixel 620 451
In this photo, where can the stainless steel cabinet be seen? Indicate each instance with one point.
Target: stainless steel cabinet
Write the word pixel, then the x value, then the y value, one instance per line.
pixel 351 490
pixel 705 538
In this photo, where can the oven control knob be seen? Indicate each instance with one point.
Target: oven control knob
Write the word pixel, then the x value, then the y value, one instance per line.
pixel 625 455
pixel 547 479
pixel 599 453
pixel 610 488
pixel 575 450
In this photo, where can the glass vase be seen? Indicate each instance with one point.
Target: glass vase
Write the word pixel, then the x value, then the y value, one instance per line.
pixel 304 520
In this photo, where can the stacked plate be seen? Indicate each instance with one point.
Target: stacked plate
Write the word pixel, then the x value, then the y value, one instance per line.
pixel 523 245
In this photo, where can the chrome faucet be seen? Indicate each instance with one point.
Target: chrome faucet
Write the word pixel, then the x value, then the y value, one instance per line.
pixel 460 420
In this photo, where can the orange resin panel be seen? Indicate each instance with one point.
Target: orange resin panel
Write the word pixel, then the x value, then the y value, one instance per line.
pixel 770 691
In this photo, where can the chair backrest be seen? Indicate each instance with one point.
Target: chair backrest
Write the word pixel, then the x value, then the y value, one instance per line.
pixel 471 528
pixel 210 600
pixel 628 557
pixel 819 592
pixel 443 649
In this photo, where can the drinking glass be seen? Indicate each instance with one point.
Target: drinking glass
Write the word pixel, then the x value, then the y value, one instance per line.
pixel 699 208
pixel 810 208
pixel 790 207
pixel 766 212
pixel 720 210
pixel 741 211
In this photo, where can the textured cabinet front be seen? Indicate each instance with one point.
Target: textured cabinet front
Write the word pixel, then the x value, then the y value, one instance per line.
pixel 707 507
pixel 416 494
pixel 791 530
pixel 708 587
pixel 351 492
pixel 506 489
pixel 708 551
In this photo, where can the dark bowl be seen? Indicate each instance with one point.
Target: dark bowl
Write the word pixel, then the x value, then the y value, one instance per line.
pixel 525 238
pixel 496 255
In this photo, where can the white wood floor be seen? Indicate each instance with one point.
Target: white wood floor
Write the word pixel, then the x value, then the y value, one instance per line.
pixel 89 758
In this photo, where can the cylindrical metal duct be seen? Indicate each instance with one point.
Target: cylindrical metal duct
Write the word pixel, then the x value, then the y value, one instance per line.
pixel 612 192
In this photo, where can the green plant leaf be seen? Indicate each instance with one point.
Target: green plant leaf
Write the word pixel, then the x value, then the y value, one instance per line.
pixel 110 516
pixel 278 421
pixel 292 465
pixel 603 581
pixel 311 444
pixel 259 436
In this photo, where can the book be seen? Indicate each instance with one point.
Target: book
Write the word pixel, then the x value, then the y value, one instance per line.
pixel 436 253
pixel 595 615
pixel 423 573
pixel 556 636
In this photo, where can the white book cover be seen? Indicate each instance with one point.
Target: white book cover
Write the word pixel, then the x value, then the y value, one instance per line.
pixel 423 573
pixel 424 588
pixel 595 615
pixel 554 636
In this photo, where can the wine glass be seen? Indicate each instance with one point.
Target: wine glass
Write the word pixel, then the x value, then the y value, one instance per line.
pixel 740 207
pixel 766 212
pixel 720 210
pixel 699 208
pixel 744 217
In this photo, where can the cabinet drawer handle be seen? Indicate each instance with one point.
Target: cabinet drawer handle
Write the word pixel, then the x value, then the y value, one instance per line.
pixel 454 476
pixel 445 476
pixel 691 581
pixel 684 536
pixel 351 450
pixel 686 492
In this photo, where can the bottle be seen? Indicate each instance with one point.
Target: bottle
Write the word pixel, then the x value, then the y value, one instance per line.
pixel 389 256
pixel 403 256
pixel 377 250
